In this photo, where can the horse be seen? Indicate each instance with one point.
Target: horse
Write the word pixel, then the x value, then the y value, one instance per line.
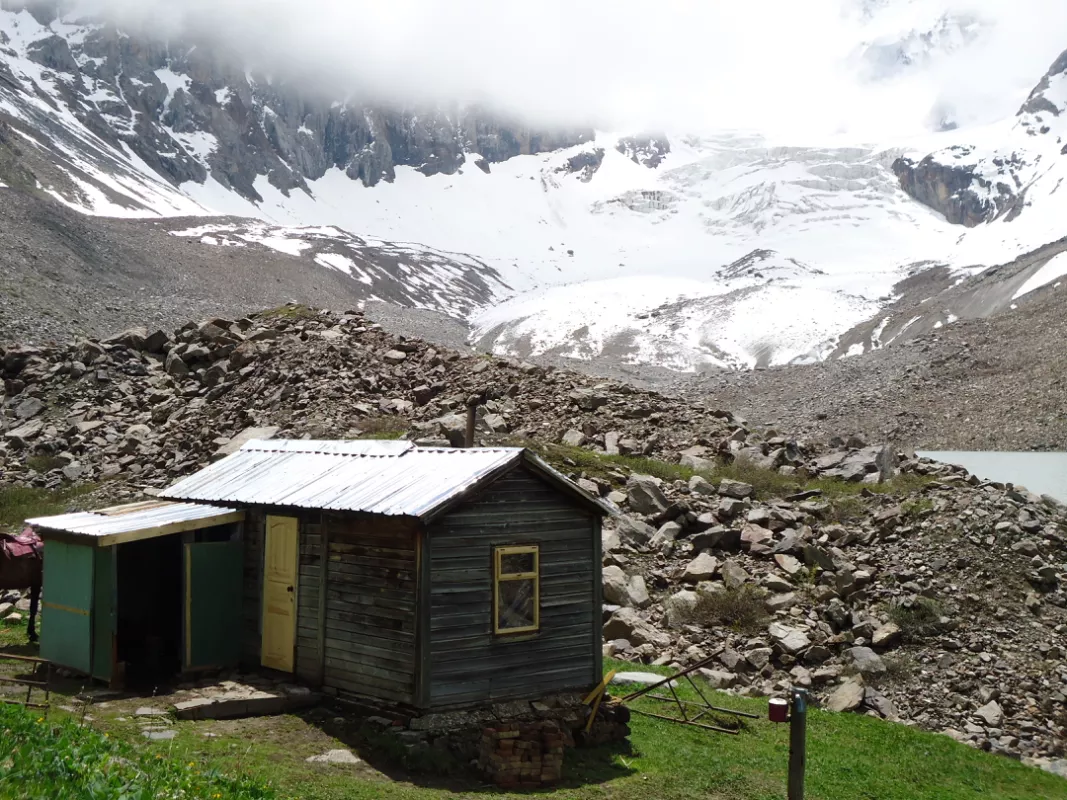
pixel 22 566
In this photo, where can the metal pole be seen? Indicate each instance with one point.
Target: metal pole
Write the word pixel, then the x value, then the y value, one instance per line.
pixel 798 731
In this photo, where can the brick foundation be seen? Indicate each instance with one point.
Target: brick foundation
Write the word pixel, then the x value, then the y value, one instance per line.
pixel 524 755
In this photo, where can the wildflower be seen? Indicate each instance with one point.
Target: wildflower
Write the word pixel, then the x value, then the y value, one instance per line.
pixel 40 719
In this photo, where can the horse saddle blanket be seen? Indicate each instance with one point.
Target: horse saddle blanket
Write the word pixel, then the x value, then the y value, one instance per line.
pixel 27 543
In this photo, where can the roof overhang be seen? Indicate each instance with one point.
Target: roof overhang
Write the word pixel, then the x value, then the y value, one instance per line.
pixel 132 522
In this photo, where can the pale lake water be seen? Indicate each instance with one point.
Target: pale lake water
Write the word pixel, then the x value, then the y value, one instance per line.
pixel 1043 473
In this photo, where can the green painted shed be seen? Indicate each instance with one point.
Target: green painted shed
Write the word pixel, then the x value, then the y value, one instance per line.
pixel 140 593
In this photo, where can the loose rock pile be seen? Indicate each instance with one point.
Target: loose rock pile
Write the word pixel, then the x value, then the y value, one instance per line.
pixel 146 407
pixel 890 586
pixel 936 599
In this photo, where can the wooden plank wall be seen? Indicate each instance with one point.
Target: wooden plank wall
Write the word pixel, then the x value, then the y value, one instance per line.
pixel 468 664
pixel 371 608
pixel 252 609
pixel 308 653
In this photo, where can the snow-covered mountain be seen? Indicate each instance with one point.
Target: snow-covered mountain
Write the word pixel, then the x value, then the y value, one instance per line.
pixel 728 249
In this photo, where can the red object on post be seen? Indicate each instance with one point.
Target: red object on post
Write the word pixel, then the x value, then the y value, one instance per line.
pixel 778 709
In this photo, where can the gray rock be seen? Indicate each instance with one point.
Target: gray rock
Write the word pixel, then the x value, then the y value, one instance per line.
pixel 701 568
pixel 573 438
pixel 792 640
pixel 680 607
pixel 867 661
pixel 335 757
pixel 645 496
pixel 759 657
pixel 846 697
pixel 719 679
pixel 733 574
pixel 637 592
pixel 790 565
pixel 781 602
pixel 175 365
pixel 874 699
pixel 701 486
pixel 886 636
pixel 735 489
pixel 615 581
pixel 28 408
pixel 632 531
pixel 628 624
pixel 991 714
pixel 395 357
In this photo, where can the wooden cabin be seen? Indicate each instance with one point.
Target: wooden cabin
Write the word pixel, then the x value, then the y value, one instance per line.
pixel 428 578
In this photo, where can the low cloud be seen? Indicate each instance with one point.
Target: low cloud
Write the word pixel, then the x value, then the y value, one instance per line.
pixel 778 66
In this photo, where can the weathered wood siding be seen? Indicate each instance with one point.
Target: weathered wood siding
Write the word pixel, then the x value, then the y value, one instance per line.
pixel 371 607
pixel 308 662
pixel 468 663
pixel 252 610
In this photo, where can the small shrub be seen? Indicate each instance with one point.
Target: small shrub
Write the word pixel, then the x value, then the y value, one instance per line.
pixel 292 311
pixel 899 667
pixel 383 427
pixel 44 463
pixel 916 508
pixel 846 509
pixel 741 609
pixel 917 618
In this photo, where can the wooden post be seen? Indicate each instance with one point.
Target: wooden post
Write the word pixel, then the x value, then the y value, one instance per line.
pixel 798 725
pixel 472 417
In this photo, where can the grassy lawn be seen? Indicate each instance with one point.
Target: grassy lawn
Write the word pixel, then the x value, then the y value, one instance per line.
pixel 850 757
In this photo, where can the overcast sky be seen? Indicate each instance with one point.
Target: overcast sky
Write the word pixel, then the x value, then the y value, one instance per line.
pixel 772 65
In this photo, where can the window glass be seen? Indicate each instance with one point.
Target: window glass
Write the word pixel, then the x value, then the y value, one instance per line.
pixel 518 563
pixel 515 607
pixel 516 588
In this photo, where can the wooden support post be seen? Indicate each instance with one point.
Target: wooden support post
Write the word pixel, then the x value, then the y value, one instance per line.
pixel 798 731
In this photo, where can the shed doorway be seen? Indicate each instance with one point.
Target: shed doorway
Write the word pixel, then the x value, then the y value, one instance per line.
pixel 149 610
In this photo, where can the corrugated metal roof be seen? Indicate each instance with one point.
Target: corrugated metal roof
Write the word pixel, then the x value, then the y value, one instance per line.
pixel 134 521
pixel 387 478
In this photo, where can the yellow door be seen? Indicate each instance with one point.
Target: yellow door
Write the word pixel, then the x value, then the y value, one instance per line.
pixel 280 566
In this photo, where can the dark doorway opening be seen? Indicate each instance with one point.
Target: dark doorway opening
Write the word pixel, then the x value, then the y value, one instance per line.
pixel 149 615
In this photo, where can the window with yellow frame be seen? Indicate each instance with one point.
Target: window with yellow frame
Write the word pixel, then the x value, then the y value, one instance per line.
pixel 516 589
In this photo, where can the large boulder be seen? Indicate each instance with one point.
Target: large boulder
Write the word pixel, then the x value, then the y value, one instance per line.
pixel 627 624
pixel 847 697
pixel 701 568
pixel 791 640
pixel 866 661
pixel 633 532
pixel 735 489
pixel 645 496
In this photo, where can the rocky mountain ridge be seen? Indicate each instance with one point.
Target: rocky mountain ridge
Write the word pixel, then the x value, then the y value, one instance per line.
pixel 888 585
pixel 191 113
pixel 972 185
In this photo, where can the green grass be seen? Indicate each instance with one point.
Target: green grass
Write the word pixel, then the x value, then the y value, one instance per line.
pixel 19 503
pixel 43 757
pixel 849 757
pixel 844 497
pixel 44 463
pixel 292 311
